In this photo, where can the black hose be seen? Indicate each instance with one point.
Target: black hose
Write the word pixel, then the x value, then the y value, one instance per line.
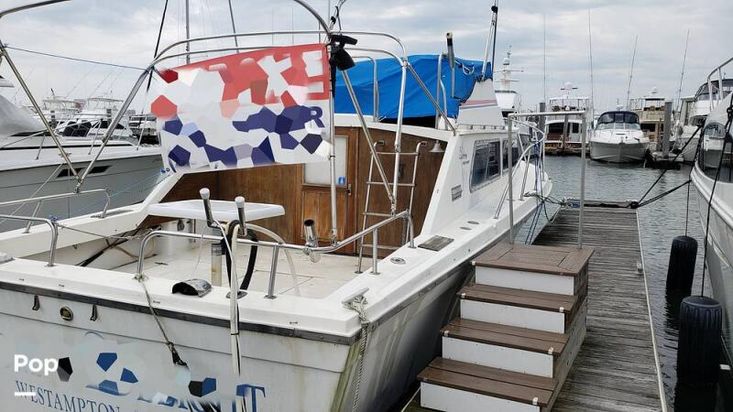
pixel 232 236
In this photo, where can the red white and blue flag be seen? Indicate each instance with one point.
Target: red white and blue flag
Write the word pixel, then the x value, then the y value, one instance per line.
pixel 264 107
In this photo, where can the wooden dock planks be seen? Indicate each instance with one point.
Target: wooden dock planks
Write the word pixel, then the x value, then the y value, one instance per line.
pixel 616 368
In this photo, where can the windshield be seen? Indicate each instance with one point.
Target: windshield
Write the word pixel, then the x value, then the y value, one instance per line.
pixel 618 120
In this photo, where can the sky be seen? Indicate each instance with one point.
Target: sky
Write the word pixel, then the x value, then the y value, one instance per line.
pixel 125 32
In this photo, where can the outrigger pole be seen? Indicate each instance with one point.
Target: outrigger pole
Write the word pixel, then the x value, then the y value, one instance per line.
pixel 491 38
pixel 26 89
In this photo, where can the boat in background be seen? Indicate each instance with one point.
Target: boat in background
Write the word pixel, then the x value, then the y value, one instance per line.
pixel 564 132
pixel 507 98
pixel 693 112
pixel 30 166
pixel 650 110
pixel 618 138
pixel 93 119
pixel 292 321
pixel 713 178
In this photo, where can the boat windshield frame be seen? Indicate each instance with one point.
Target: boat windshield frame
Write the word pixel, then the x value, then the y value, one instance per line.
pixel 618 120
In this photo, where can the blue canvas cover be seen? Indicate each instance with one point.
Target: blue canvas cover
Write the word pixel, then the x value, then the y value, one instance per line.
pixel 468 72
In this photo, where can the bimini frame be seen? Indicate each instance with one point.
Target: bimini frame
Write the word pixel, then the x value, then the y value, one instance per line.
pixel 165 55
pixel 4 54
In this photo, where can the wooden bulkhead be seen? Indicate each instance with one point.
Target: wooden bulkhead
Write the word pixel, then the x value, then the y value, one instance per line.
pixel 286 185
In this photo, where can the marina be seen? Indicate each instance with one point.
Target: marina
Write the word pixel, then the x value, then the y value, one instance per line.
pixel 275 206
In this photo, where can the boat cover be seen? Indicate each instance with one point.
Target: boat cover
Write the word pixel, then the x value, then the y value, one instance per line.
pixel 257 108
pixel 468 72
pixel 14 120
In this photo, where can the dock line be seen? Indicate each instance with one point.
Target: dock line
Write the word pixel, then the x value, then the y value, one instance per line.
pixel 651 324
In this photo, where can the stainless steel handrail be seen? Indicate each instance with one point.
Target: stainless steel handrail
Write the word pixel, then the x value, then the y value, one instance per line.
pixel 29 6
pixel 720 83
pixel 523 156
pixel 308 251
pixel 50 223
pixel 375 87
pixel 62 196
pixel 584 128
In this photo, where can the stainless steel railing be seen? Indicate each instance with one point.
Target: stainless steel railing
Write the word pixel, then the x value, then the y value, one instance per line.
pixel 50 223
pixel 276 246
pixel 40 199
pixel 719 95
pixel 509 188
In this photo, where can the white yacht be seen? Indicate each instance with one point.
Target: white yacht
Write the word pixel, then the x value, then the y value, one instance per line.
pixel 138 310
pixel 31 166
pixel 693 111
pixel 618 138
pixel 509 100
pixel 564 132
pixel 92 120
pixel 713 164
pixel 55 108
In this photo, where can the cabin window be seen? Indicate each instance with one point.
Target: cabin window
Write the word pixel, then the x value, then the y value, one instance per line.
pixel 319 173
pixel 485 164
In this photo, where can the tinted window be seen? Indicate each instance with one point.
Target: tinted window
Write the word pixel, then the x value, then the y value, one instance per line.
pixel 618 117
pixel 485 164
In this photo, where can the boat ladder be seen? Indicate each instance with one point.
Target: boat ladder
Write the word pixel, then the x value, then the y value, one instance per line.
pixel 371 213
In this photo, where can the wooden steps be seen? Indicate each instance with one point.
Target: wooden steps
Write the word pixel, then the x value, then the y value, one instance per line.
pixel 496 384
pixel 516 307
pixel 514 343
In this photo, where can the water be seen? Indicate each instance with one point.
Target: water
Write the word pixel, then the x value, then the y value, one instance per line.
pixel 660 222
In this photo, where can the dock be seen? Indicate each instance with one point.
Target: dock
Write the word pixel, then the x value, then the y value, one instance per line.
pixel 615 368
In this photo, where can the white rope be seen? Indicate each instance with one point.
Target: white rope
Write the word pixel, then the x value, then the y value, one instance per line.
pixel 357 304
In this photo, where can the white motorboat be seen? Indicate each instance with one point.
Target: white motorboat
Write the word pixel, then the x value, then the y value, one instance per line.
pixel 714 183
pixel 295 327
pixel 618 138
pixel 31 166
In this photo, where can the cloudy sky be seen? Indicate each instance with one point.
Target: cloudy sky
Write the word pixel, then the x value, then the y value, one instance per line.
pixel 124 32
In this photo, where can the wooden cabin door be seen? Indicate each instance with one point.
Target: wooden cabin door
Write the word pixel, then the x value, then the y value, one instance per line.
pixel 316 194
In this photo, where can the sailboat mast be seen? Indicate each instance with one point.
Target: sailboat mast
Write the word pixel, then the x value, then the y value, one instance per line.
pixel 631 73
pixel 682 74
pixel 188 34
pixel 544 59
pixel 590 57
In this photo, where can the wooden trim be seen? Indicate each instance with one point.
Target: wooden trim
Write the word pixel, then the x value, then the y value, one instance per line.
pixel 507 336
pixel 485 381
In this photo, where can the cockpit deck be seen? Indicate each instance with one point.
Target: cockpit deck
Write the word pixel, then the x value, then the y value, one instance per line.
pixel 313 280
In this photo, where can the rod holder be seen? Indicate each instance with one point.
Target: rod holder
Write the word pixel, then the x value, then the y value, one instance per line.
pixel 239 201
pixel 206 197
pixel 311 239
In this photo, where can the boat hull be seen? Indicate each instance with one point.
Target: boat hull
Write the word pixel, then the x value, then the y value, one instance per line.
pixel 617 152
pixel 128 180
pixel 281 372
pixel 720 249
